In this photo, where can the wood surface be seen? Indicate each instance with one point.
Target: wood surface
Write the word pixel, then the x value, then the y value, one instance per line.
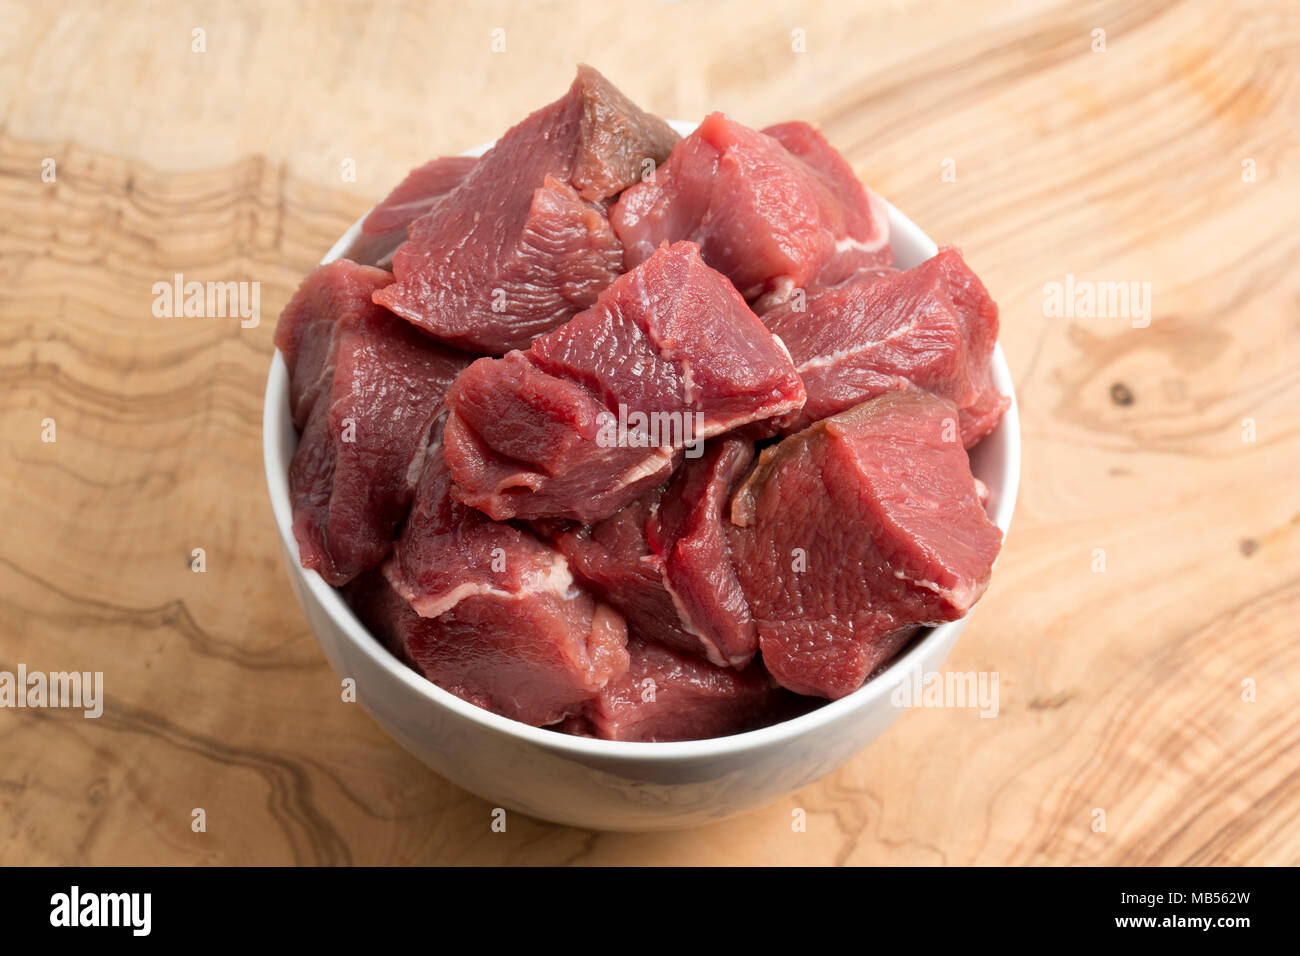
pixel 1121 689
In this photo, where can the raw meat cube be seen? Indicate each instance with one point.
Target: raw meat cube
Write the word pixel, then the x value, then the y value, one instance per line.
pixel 535 658
pixel 492 614
pixel 850 534
pixel 330 296
pixel 933 326
pixel 367 389
pixel 524 443
pixel 688 537
pixel 866 217
pixel 384 228
pixel 763 216
pixel 598 411
pixel 523 243
pixel 662 561
pixel 618 142
pixel 980 418
pixel 448 552
pixel 666 696
pixel 613 560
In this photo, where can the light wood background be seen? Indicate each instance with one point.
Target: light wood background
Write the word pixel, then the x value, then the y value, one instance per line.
pixel 1121 690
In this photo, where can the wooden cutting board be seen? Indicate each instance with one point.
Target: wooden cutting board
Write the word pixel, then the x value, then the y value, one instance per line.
pixel 1143 617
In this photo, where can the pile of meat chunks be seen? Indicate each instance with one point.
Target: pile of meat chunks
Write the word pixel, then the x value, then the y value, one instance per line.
pixel 641 437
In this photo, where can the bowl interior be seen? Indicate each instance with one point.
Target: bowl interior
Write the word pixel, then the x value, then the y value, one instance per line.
pixel 995 461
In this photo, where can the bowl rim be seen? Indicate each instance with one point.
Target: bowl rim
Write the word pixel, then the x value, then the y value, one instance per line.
pixel 276 455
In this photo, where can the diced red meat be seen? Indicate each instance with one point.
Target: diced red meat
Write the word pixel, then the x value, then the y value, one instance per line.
pixel 534 657
pixel 523 243
pixel 978 419
pixel 523 443
pixel 613 559
pixel 573 532
pixel 368 389
pixel 448 552
pixel 331 296
pixel 384 228
pixel 933 326
pixel 767 218
pixel 669 345
pixel 618 142
pixel 865 244
pixel 491 613
pixel 662 560
pixel 665 695
pixel 688 537
pixel 849 535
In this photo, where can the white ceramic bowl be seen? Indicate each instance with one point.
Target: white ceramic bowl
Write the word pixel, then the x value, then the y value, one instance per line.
pixel 603 784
